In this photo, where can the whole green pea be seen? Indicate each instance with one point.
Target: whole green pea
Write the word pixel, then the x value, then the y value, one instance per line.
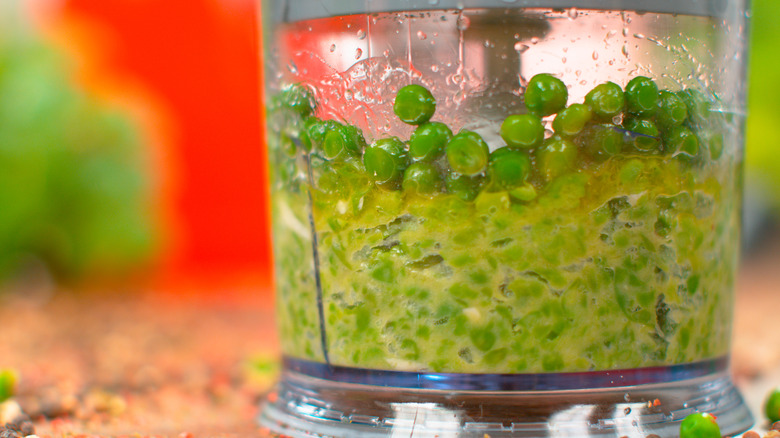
pixel 414 104
pixel 314 131
pixel 464 187
pixel 641 96
pixel 644 134
pixel 545 95
pixel 385 160
pixel 428 141
pixel 606 100
pixel 422 179
pixel 572 119
pixel 556 157
pixel 772 405
pixel 467 153
pixel 342 142
pixel 681 141
pixel 297 98
pixel 671 110
pixel 509 168
pixel 601 141
pixel 522 131
pixel 700 425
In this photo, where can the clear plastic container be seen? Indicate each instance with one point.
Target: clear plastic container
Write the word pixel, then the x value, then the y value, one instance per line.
pixel 549 249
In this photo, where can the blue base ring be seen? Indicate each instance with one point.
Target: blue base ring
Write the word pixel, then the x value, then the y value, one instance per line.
pixel 508 382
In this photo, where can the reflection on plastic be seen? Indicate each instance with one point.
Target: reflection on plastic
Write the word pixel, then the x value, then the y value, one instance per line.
pixel 423 420
pixel 571 422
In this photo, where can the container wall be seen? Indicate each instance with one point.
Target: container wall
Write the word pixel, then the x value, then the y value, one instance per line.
pixel 609 244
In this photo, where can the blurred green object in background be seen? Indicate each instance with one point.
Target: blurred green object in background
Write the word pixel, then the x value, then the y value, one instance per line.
pixel 73 192
pixel 8 382
pixel 762 157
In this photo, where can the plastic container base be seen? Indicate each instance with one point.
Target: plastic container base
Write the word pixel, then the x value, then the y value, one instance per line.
pixel 304 406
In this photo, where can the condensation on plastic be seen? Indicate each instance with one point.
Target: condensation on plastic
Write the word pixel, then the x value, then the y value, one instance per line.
pixel 296 10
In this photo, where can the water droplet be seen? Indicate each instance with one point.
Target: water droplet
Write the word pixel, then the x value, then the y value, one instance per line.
pixel 421 35
pixel 639 36
pixel 573 13
pixel 595 55
pixel 627 397
pixel 332 48
pixel 463 22
pixel 358 53
pixel 611 33
pixel 361 34
pixel 348 95
pixel 563 60
pixel 625 50
pixel 520 47
pixel 386 53
pixel 535 40
pixel 435 68
pixel 565 50
pixel 625 31
pixel 627 411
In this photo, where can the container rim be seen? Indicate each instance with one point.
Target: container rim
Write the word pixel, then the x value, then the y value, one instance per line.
pixel 298 10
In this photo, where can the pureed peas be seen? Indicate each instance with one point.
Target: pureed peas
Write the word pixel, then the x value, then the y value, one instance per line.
pixel 597 246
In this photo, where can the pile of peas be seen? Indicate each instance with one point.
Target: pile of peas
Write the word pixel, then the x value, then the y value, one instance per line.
pixel 637 120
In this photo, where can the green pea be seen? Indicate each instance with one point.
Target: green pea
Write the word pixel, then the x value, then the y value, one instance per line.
pixel 606 100
pixel 386 160
pixel 641 96
pixel 644 133
pixel 525 192
pixel 465 187
pixel 681 140
pixel 699 425
pixel 772 405
pixel 601 141
pixel 696 103
pixel 572 119
pixel 414 104
pixel 297 98
pixel 343 141
pixel 467 153
pixel 314 131
pixel 716 145
pixel 545 95
pixel 428 141
pixel 422 178
pixel 522 131
pixel 509 168
pixel 286 144
pixel 556 157
pixel 671 110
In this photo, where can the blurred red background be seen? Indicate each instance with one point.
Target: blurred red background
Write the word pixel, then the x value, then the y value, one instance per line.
pixel 189 71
